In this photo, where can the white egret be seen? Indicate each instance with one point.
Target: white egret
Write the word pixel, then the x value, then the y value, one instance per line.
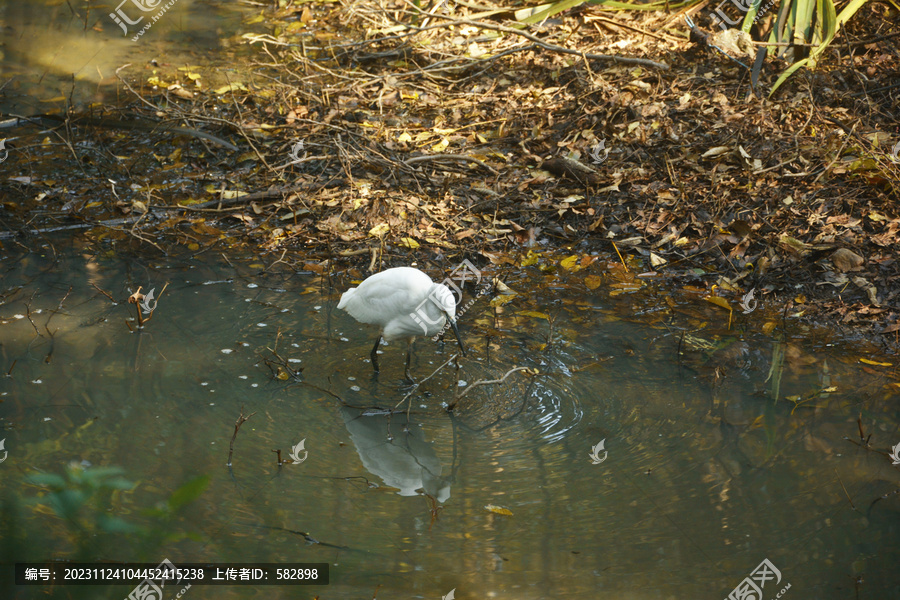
pixel 405 303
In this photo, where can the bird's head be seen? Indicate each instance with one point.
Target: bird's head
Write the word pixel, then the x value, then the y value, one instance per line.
pixel 443 298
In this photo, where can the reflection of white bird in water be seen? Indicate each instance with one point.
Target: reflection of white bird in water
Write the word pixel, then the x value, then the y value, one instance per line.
pixel 405 303
pixel 406 462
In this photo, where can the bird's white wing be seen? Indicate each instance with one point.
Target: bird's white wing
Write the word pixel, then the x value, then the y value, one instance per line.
pixel 379 299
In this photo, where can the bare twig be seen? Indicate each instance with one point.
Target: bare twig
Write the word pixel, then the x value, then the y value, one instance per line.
pixel 460 157
pixel 452 405
pixel 850 500
pixel 237 425
pixel 417 384
pixel 486 382
pixel 111 299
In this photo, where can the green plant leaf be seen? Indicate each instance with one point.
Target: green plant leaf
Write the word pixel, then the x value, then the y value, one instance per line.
pixel 825 30
pixel 750 16
pixel 802 21
pixel 48 479
pixel 67 503
pixel 188 492
pixel 850 10
pixel 116 525
pixel 790 71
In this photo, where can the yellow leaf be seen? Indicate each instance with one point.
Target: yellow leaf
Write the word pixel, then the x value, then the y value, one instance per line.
pixel 93 204
pixel 866 361
pixel 404 137
pixel 569 262
pixel 193 246
pixel 499 510
pixel 502 299
pixel 593 281
pixel 379 230
pixel 718 301
pixel 441 145
pixel 769 327
pixel 409 243
pixel 533 313
pixel 231 87
pixel 531 259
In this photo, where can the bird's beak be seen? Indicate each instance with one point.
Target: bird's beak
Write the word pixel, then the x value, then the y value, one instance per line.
pixel 456 332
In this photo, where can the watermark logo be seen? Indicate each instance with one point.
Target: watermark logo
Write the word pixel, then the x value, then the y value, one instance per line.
pixel 5 453
pixel 463 272
pixel 296 450
pixel 748 302
pixel 450 595
pixel 751 587
pixel 145 302
pixel 123 20
pixel 895 152
pixel 149 590
pixel 296 149
pixel 596 158
pixel 595 453
pixel 720 18
pixel 3 151
pixel 895 454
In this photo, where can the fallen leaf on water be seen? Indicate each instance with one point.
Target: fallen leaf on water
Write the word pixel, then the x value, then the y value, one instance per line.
pixel 531 259
pixel 718 301
pixel 877 364
pixel 499 510
pixel 593 281
pixel 569 263
pixel 533 313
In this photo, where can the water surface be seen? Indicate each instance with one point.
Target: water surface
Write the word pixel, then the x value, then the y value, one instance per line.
pixel 705 475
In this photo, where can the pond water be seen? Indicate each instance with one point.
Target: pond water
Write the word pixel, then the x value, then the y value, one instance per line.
pixel 702 476
pixel 55 54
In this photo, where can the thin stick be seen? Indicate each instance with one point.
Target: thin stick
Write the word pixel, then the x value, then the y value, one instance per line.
pixel 485 382
pixel 460 157
pixel 416 385
pixel 237 425
pixel 111 299
pixel 845 490
pixel 620 257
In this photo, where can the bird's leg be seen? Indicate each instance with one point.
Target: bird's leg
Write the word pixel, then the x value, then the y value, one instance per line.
pixel 408 355
pixel 374 354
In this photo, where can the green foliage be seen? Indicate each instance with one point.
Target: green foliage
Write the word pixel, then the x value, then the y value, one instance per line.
pixel 85 499
pixel 81 487
pixel 801 24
